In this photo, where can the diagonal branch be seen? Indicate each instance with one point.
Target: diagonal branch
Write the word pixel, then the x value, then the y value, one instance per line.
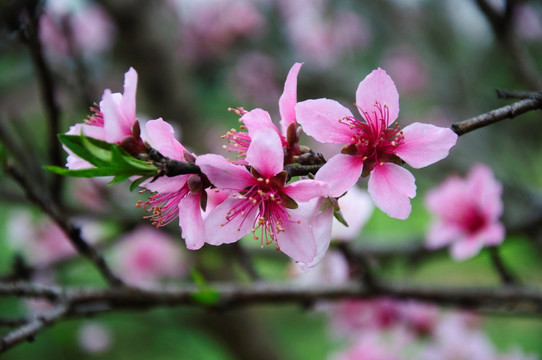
pixel 27 331
pixel 72 232
pixel 505 112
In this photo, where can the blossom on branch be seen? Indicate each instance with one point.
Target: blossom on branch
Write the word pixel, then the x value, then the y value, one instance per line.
pixel 257 119
pixel 178 196
pixel 260 201
pixel 466 213
pixel 114 121
pixel 374 146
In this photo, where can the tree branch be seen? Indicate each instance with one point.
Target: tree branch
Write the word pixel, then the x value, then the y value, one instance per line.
pixel 29 330
pixel 72 232
pixel 505 112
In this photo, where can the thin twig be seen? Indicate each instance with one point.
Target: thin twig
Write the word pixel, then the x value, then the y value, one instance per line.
pixel 29 330
pixel 504 273
pixel 505 112
pixel 502 25
pixel 30 37
pixel 518 94
pixel 72 232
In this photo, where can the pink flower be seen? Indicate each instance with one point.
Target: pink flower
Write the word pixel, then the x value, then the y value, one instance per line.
pixel 114 122
pixel 260 200
pixel 466 213
pixel 177 196
pixel 372 146
pixel 94 338
pixel 42 241
pixel 333 269
pixel 147 255
pixel 257 119
pixel 371 346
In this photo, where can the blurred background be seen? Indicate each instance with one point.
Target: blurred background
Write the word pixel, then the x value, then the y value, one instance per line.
pixel 196 58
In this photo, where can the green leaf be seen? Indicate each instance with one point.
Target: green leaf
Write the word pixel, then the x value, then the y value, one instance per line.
pixel 75 144
pixel 118 179
pixel 101 152
pixel 92 172
pixel 206 295
pixel 137 182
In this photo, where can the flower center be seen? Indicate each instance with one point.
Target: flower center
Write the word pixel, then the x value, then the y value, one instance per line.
pixel 373 140
pixel 164 206
pixel 96 118
pixel 471 219
pixel 270 204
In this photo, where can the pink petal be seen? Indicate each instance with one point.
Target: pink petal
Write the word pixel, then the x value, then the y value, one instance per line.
pixel 441 234
pixel 466 248
pixel 340 173
pixel 224 174
pixel 378 87
pixel 485 190
pixel 297 240
pixel 425 144
pixel 320 119
pixel 390 187
pixel 220 231
pixel 165 184
pixel 162 138
pixel 257 119
pixel 129 95
pixel 265 153
pixel 116 125
pixel 356 207
pixel 321 225
pixel 288 99
pixel 304 190
pixel 190 221
pixel 492 234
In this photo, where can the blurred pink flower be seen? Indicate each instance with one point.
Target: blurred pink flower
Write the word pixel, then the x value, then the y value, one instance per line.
pixel 94 338
pixel 146 255
pixel 332 34
pixel 260 200
pixel 356 208
pixel 528 22
pixel 408 70
pixel 373 148
pixel 42 241
pixel 332 269
pixel 253 79
pixel 371 346
pixel 209 28
pixel 466 213
pixel 454 339
pixel 87 23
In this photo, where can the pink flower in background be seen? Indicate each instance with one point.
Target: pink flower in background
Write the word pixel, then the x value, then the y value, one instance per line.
pixel 114 122
pixel 454 339
pixel 408 70
pixel 146 255
pixel 373 147
pixel 356 208
pixel 94 338
pixel 257 119
pixel 86 24
pixel 253 79
pixel 42 241
pixel 466 213
pixel 332 35
pixel 260 201
pixel 176 196
pixel 371 346
pixel 209 28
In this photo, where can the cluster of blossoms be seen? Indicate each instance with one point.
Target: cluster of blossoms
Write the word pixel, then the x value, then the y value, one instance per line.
pixel 253 193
